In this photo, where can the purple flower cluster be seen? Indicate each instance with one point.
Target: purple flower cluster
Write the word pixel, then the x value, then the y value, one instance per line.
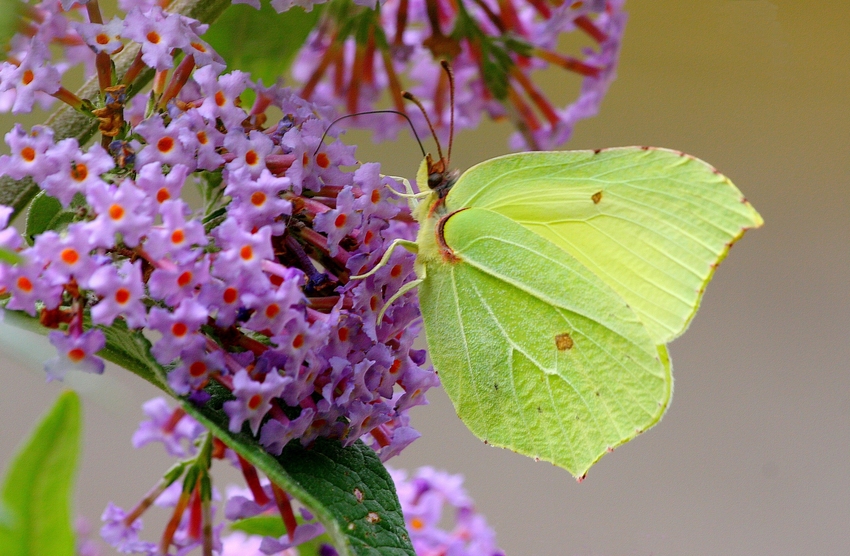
pixel 432 498
pixel 493 46
pixel 252 290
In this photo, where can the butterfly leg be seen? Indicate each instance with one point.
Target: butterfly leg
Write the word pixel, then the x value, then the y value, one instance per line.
pixel 420 273
pixel 407 244
pixel 409 194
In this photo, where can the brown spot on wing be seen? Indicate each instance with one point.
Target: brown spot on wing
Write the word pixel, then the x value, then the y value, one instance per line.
pixel 563 342
pixel 596 197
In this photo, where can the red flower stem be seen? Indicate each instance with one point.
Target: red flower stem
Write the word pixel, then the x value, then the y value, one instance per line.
pixel 326 304
pixel 395 83
pixel 93 11
pixel 147 501
pixel 331 191
pixel 262 102
pixel 369 58
pixel 493 17
pixel 567 62
pixel 68 98
pixel 176 415
pixel 178 80
pixel 332 52
pixel 159 79
pixel 253 481
pixel 225 381
pixel 440 94
pixel 400 22
pixel 536 96
pixel 586 24
pixel 279 163
pixel 511 17
pixel 174 522
pixel 285 509
pixel 542 8
pixel 433 12
pixel 195 515
pixel 380 434
pixel 524 110
pixel 356 75
pixel 135 69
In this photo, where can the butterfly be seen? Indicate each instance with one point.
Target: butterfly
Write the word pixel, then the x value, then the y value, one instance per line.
pixel 550 283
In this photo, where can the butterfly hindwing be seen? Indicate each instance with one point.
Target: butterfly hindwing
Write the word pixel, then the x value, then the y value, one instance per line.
pixel 536 352
pixel 652 223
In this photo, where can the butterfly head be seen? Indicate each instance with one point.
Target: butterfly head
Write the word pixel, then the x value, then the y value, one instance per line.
pixel 440 178
pixel 437 175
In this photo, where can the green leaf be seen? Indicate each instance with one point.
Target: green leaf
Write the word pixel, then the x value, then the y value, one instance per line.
pixel 131 350
pixel 261 42
pixel 36 498
pixel 263 525
pixel 348 489
pixel 46 213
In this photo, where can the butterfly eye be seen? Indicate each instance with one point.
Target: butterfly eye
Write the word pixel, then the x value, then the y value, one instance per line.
pixel 435 180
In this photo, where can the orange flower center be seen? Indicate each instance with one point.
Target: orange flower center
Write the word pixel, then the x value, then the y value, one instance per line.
pixel 197 369
pixel 230 295
pixel 70 256
pixel 79 171
pixel 184 279
pixel 272 310
pixel 258 198
pixel 24 284
pixel 122 296
pixel 255 401
pixel 165 144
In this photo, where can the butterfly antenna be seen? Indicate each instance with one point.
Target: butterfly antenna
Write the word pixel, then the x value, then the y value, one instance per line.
pixel 366 113
pixel 418 103
pixel 450 75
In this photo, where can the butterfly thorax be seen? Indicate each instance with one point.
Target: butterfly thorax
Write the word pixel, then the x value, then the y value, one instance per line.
pixel 431 214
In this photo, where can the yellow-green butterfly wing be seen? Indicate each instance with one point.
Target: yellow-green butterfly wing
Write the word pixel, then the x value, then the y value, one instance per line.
pixel 536 352
pixel 652 223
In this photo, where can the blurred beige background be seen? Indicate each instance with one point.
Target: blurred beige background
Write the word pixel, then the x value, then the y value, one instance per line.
pixel 753 457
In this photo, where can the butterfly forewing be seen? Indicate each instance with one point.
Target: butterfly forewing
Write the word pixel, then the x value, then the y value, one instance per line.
pixel 536 352
pixel 651 223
